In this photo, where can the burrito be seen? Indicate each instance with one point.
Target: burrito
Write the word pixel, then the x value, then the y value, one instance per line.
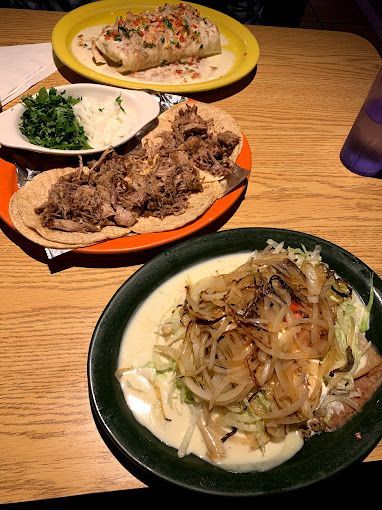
pixel 169 33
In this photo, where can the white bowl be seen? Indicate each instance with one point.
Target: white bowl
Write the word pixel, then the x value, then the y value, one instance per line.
pixel 142 106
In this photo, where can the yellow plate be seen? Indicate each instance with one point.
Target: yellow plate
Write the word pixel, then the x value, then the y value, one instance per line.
pixel 237 39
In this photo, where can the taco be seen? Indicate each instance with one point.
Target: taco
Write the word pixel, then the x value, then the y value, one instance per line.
pixel 178 171
pixel 210 136
pixel 169 33
pixel 53 191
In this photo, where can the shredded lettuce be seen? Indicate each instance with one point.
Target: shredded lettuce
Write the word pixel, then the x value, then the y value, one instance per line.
pixel 364 322
pixel 260 403
pixel 353 320
pixel 185 394
pixel 299 255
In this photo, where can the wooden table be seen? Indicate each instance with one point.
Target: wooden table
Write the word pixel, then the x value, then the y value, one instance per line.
pixel 296 112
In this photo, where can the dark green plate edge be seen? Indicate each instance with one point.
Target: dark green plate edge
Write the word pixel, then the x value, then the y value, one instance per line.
pixel 322 456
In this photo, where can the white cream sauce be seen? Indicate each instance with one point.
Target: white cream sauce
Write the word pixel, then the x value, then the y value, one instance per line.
pixel 206 69
pixel 141 384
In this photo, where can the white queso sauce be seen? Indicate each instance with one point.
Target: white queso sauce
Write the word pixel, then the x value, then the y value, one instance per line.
pixel 141 384
pixel 206 69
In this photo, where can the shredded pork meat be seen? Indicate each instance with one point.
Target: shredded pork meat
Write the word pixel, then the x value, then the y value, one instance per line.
pixel 149 181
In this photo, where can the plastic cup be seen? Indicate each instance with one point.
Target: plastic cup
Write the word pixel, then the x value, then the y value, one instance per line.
pixel 362 150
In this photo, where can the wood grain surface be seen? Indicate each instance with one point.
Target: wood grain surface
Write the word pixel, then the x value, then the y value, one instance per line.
pixel 296 111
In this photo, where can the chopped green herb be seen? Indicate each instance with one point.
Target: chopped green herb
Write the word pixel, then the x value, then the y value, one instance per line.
pixel 119 101
pixel 49 121
pixel 168 24
pixel 149 44
pixel 125 31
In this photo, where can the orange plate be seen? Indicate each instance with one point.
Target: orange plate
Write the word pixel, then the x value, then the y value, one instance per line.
pixel 8 186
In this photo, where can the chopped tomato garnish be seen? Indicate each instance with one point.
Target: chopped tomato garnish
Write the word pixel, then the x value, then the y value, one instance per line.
pixel 294 306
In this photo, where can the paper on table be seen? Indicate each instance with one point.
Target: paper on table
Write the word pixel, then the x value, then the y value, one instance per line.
pixel 26 65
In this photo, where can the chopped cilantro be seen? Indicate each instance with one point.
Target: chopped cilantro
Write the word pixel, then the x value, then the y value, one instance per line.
pixel 49 121
pixel 119 101
pixel 168 24
pixel 149 44
pixel 125 31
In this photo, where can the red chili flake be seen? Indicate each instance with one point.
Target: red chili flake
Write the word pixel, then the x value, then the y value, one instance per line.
pixel 194 76
pixel 182 38
pixel 179 71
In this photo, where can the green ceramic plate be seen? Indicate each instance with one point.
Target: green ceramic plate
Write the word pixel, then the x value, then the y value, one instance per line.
pixel 322 456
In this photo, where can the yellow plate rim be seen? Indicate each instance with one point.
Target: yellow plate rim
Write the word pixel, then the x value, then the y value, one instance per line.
pixel 61 46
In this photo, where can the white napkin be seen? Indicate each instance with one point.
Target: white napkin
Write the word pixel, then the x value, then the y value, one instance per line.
pixel 23 66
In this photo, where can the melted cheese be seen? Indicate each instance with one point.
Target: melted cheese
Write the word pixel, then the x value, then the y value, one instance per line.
pixel 146 392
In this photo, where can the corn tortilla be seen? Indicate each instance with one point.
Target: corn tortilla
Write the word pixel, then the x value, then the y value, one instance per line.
pixel 197 204
pixel 29 232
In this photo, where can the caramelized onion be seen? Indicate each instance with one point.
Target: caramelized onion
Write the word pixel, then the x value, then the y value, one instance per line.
pixel 254 346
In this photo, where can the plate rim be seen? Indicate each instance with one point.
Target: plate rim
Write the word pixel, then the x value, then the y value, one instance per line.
pixel 371 409
pixel 61 47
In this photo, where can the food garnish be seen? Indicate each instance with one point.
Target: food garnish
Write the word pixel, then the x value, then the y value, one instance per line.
pixel 49 121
